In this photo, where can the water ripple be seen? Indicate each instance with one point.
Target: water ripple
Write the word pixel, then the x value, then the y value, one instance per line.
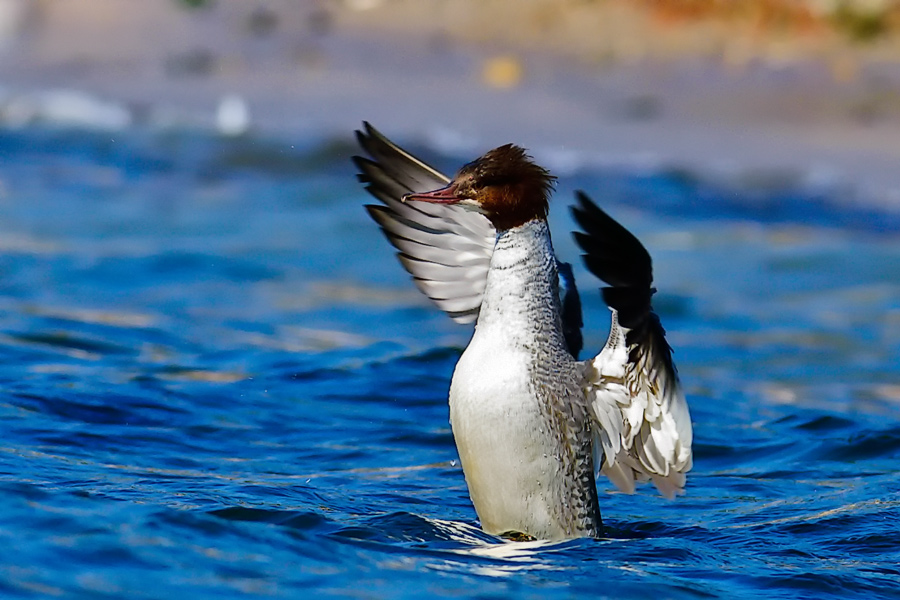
pixel 217 383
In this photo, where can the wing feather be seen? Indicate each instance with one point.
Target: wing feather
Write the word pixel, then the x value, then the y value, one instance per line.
pixel 445 248
pixel 641 417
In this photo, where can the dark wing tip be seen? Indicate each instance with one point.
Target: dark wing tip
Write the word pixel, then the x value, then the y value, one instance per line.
pixel 364 166
pixel 363 138
pixel 370 138
pixel 375 211
pixel 366 138
pixel 611 252
pixel 619 259
pixel 374 142
pixel 617 253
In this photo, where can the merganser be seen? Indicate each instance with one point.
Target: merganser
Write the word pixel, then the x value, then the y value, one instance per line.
pixel 533 425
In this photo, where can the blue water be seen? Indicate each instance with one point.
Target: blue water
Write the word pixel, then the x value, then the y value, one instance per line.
pixel 216 382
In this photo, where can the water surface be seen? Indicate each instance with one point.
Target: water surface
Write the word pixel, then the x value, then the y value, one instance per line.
pixel 216 382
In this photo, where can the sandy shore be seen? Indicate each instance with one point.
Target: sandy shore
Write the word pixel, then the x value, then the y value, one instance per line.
pixel 321 68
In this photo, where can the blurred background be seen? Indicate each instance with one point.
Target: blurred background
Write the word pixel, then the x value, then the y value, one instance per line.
pixel 809 86
pixel 216 381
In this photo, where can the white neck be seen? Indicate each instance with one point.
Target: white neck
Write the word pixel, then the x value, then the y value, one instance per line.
pixel 521 297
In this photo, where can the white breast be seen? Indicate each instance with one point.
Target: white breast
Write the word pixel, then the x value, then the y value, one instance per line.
pixel 498 430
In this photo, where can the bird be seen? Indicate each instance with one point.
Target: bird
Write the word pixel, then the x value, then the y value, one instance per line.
pixel 534 426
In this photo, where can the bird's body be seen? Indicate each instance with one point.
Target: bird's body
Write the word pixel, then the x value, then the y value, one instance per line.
pixel 532 423
pixel 517 409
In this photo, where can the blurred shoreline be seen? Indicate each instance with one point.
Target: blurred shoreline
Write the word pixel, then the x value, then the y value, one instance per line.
pixel 712 96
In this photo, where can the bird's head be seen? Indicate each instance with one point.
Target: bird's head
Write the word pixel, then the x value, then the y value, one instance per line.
pixel 504 184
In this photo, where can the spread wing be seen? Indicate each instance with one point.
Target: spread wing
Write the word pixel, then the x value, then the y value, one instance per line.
pixel 446 248
pixel 642 423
